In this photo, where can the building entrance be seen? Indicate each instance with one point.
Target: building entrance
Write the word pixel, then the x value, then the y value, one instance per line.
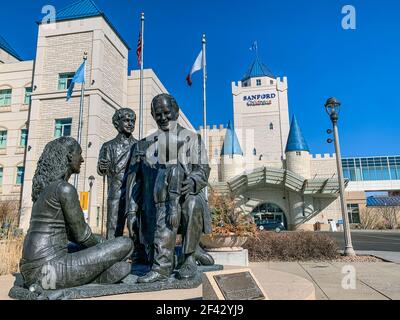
pixel 269 216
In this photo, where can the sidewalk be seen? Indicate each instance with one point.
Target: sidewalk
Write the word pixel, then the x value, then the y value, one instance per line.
pixel 384 255
pixel 373 281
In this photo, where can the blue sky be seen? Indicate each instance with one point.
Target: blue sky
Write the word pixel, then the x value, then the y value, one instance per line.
pixel 300 39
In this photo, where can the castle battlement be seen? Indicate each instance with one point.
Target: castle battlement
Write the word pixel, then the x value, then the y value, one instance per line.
pixel 326 156
pixel 214 127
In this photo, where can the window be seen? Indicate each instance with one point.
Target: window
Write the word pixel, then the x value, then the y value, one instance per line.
pixel 271 126
pixel 24 137
pixel 353 211
pixel 258 82
pixel 216 153
pixel 28 92
pixel 271 82
pixel 64 80
pixel 63 127
pixel 5 97
pixel 254 152
pixel 3 139
pixel 1 176
pixel 298 153
pixel 20 175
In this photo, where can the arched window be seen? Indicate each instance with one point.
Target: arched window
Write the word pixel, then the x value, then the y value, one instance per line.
pixel 254 152
pixel 271 126
pixel 269 216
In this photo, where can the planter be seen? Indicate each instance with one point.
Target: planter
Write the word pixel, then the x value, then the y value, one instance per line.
pixel 223 243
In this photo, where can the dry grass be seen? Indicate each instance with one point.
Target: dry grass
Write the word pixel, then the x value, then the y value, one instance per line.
pixel 291 246
pixel 10 255
pixel 10 243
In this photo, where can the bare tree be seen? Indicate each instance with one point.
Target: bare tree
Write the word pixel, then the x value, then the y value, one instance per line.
pixel 370 219
pixel 389 214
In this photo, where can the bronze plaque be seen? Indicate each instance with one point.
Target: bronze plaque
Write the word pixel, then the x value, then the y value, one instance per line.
pixel 239 286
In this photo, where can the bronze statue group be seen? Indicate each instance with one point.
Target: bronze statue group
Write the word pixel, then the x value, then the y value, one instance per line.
pixel 156 188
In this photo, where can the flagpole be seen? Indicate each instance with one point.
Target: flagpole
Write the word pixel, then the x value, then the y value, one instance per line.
pixel 204 63
pixel 80 122
pixel 141 107
pixel 204 92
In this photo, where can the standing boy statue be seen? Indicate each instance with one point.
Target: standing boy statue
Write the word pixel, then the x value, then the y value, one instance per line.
pixel 113 162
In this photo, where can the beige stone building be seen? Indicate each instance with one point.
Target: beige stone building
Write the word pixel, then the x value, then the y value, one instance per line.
pixel 262 157
pixel 33 96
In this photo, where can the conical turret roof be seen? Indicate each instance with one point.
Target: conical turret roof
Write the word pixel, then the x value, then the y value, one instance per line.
pixel 231 144
pixel 296 141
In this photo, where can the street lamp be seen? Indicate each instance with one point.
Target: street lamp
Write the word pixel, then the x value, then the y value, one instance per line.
pixel 91 182
pixel 332 107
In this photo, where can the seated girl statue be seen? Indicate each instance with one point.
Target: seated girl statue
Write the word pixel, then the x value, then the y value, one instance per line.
pixel 57 219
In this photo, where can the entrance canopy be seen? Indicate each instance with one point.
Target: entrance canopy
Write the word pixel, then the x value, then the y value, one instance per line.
pixel 266 176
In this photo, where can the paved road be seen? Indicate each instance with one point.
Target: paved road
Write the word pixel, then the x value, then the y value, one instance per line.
pixel 370 240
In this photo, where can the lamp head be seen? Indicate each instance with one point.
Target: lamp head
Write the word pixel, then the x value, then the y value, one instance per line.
pixel 91 180
pixel 332 106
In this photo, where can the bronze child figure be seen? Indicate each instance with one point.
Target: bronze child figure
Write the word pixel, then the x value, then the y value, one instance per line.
pixel 113 162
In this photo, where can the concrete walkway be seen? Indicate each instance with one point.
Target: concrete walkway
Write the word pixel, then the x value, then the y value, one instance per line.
pixel 372 281
pixel 366 281
pixel 384 255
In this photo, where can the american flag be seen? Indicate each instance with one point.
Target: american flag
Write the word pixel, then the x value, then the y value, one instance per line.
pixel 139 50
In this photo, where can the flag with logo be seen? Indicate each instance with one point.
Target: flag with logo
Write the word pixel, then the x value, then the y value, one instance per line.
pixel 198 65
pixel 78 78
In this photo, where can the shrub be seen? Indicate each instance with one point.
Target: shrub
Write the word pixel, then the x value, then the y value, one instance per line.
pixel 291 246
pixel 226 218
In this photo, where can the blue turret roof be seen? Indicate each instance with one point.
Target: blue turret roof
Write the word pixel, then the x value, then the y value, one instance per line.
pixel 296 141
pixel 231 144
pixel 84 9
pixel 7 48
pixel 257 69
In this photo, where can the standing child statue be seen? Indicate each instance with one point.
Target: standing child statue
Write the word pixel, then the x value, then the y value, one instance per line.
pixel 113 162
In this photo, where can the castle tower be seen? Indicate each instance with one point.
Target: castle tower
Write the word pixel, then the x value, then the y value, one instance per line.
pixel 261 115
pixel 79 28
pixel 231 155
pixel 298 157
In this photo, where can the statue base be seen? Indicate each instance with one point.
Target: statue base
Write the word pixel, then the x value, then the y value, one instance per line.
pixel 128 285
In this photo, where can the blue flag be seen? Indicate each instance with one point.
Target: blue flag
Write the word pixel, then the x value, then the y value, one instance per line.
pixel 78 78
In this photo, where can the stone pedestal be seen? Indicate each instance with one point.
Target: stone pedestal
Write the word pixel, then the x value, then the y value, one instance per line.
pixel 230 256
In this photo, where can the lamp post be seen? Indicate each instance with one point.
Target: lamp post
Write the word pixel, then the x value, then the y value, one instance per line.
pixel 91 182
pixel 332 107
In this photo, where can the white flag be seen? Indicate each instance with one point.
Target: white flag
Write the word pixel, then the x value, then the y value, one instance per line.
pixel 198 65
